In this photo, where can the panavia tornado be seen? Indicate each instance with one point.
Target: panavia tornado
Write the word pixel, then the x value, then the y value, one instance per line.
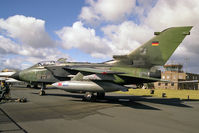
pixel 95 79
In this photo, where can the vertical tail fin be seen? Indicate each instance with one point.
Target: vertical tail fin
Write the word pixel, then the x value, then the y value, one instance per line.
pixel 157 50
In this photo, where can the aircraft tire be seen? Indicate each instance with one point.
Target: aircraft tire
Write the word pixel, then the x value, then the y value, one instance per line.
pixel 28 86
pixel 100 94
pixel 41 93
pixel 35 87
pixel 88 97
pixel 140 85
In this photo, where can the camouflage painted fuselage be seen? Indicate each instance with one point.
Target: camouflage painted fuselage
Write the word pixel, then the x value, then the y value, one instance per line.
pixel 136 67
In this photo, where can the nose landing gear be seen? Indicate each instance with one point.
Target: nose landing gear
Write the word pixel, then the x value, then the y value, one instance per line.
pixel 42 92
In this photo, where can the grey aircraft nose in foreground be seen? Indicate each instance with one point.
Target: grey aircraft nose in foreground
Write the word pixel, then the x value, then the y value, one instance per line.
pixel 137 67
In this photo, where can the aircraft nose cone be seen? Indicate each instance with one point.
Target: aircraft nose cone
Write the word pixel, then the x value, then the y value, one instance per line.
pixel 15 76
pixel 55 84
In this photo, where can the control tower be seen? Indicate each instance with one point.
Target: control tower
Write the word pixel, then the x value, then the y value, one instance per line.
pixel 173 67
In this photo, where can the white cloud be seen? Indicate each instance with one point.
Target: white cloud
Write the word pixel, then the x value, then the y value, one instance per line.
pixel 15 63
pixel 118 39
pixel 24 39
pixel 173 13
pixel 89 15
pixel 27 30
pixel 108 10
pixel 127 36
pixel 22 62
pixel 8 46
pixel 83 38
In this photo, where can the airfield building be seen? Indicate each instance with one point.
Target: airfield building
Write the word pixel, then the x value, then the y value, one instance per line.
pixel 180 80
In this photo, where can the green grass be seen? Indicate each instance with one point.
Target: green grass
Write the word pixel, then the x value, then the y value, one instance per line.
pixel 181 94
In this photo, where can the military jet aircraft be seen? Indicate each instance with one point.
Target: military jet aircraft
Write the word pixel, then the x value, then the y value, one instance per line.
pixel 137 67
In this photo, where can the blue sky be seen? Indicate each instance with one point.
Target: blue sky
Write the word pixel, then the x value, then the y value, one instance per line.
pixel 90 30
pixel 56 13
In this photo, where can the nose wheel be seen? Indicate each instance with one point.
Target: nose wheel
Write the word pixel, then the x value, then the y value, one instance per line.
pixel 42 92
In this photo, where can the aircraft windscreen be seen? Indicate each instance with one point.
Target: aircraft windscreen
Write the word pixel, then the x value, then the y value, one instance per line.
pixel 46 63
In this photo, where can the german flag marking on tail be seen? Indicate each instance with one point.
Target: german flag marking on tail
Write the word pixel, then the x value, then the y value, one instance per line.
pixel 155 43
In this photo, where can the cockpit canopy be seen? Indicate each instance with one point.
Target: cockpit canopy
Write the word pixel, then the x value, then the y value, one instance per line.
pixel 45 63
pixel 42 64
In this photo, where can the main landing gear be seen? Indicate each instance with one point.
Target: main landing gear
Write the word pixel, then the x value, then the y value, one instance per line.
pixel 89 96
pixel 42 92
pixel 28 86
pixel 100 94
pixel 140 85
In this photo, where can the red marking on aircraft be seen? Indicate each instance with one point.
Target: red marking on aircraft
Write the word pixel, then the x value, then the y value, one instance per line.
pixel 59 84
pixel 104 72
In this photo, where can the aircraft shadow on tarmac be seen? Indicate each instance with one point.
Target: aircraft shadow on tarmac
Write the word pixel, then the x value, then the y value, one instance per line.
pixel 130 101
